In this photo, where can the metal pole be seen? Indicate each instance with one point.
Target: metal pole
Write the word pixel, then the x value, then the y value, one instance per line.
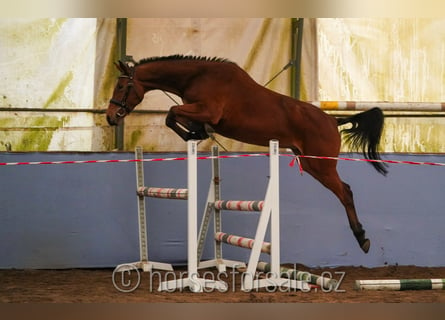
pixel 121 34
pixel 297 45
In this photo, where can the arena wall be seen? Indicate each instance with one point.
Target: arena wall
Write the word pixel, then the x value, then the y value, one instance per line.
pixel 85 215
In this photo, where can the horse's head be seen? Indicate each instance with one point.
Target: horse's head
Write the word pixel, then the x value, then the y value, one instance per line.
pixel 126 95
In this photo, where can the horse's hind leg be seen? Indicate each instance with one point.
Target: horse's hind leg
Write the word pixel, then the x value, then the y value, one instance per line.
pixel 325 171
pixel 355 225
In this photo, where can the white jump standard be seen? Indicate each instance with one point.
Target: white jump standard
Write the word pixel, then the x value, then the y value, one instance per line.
pixel 269 211
pixel 193 281
pixel 141 191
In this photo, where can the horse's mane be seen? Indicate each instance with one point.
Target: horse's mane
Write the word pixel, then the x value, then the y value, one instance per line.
pixel 183 57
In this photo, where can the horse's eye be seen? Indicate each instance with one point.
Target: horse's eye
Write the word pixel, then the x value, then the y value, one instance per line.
pixel 119 86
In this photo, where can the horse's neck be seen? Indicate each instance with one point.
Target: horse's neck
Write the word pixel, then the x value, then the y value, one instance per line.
pixel 161 75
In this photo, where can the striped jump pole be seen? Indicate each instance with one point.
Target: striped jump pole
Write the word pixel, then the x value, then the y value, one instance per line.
pixel 239 205
pixel 164 193
pixel 240 241
pixel 384 105
pixel 400 284
pixel 326 283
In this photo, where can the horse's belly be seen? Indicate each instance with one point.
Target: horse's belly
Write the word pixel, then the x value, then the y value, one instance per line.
pixel 254 135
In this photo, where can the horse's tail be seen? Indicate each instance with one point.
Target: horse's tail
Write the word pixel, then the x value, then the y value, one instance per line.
pixel 365 134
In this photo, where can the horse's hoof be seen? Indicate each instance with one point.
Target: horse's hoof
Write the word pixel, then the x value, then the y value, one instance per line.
pixel 365 245
pixel 198 135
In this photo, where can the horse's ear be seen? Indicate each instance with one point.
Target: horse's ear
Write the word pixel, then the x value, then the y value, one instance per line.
pixel 123 67
pixel 118 66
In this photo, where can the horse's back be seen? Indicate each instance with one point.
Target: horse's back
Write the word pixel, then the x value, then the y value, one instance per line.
pixel 315 115
pixel 315 129
pixel 254 114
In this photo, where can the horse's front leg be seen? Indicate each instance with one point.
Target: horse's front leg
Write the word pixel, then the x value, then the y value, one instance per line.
pixel 193 117
pixel 185 128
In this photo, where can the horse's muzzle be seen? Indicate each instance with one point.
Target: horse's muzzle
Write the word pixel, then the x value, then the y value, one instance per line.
pixel 111 121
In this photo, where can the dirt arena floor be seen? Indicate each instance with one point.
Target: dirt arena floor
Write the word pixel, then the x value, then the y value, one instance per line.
pixel 97 285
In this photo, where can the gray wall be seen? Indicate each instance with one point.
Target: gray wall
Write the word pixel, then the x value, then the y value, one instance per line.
pixel 85 215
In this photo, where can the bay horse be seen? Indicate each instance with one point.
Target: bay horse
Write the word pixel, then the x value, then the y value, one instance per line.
pixel 220 96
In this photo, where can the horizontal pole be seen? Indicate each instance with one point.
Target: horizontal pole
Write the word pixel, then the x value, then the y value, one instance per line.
pixel 239 205
pixel 391 113
pixel 325 105
pixel 74 110
pixel 240 241
pixel 384 105
pixel 165 193
pixel 327 283
pixel 400 284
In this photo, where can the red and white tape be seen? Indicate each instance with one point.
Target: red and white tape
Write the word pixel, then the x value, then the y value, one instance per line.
pixel 363 160
pixel 125 160
pixel 292 163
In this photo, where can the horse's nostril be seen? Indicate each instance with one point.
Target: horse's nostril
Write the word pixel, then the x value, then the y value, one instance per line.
pixel 110 122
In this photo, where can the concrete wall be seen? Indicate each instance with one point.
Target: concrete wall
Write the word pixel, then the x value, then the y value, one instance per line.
pixel 85 215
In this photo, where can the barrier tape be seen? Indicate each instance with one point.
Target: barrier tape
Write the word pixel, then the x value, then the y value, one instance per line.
pixel 291 164
pixel 126 160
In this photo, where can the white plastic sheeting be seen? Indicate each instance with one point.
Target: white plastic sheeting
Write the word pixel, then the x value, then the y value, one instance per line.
pixel 401 60
pixel 260 46
pixel 67 63
pixel 396 60
pixel 381 59
pixel 49 64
